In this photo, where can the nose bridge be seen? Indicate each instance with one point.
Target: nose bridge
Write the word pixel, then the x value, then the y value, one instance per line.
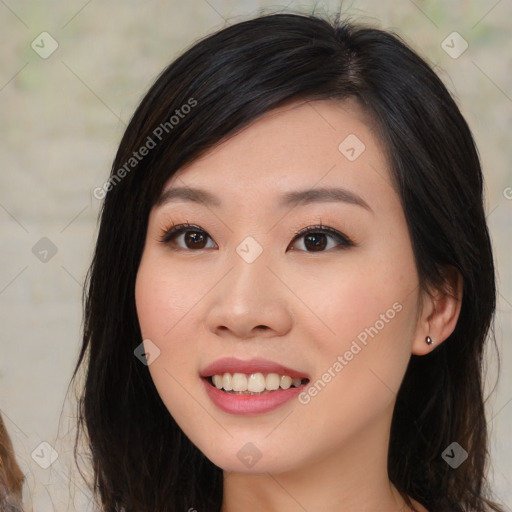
pixel 250 278
pixel 250 296
pixel 252 254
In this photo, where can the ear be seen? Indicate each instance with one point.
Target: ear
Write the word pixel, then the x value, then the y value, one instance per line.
pixel 440 309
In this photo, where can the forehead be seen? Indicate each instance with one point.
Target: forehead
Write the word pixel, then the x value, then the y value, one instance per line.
pixel 303 144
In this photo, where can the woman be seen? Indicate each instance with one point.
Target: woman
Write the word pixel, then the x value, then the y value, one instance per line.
pixel 292 284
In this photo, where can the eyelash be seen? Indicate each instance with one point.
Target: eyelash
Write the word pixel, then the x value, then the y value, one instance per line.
pixel 343 240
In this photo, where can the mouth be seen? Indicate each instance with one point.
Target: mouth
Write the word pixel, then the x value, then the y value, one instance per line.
pixel 251 387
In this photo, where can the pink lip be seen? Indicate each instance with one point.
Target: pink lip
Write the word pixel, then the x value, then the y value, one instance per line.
pixel 233 365
pixel 249 404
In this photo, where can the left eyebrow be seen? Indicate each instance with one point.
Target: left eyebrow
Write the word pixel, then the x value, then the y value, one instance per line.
pixel 290 199
pixel 324 195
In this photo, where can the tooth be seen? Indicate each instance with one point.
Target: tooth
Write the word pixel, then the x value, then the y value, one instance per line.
pixel 272 381
pixel 256 382
pixel 217 381
pixel 239 382
pixel 286 381
pixel 227 382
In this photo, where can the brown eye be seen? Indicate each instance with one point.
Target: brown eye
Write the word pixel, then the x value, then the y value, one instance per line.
pixel 194 239
pixel 322 239
pixel 186 236
pixel 315 241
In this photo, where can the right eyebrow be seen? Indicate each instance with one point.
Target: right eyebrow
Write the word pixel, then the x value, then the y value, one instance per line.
pixel 195 195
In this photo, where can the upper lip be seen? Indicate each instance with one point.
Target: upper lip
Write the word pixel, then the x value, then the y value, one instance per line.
pixel 233 365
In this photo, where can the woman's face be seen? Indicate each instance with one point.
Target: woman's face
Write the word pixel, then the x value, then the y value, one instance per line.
pixel 333 311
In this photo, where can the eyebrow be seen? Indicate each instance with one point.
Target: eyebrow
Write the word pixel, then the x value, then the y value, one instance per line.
pixel 290 199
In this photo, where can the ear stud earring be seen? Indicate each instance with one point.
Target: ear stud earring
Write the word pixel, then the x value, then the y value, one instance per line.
pixel 429 340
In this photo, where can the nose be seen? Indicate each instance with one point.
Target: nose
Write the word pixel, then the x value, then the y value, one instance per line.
pixel 250 302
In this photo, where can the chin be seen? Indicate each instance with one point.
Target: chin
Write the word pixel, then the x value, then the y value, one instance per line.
pixel 251 458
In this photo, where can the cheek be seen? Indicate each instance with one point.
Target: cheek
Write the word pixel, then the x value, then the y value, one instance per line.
pixel 360 370
pixel 163 304
pixel 163 297
pixel 372 295
pixel 370 313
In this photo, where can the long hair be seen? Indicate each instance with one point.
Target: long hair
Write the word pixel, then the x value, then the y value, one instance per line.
pixel 141 459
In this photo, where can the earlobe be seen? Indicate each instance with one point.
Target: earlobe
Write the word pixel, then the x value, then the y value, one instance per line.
pixel 440 313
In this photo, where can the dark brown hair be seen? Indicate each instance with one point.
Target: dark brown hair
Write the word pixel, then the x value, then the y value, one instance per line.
pixel 142 460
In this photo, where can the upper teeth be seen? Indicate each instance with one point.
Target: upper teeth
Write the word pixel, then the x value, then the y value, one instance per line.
pixel 255 382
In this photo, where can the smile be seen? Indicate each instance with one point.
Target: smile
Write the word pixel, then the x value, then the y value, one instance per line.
pixel 251 387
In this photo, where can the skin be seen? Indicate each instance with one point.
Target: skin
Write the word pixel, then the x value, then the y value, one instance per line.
pixel 293 305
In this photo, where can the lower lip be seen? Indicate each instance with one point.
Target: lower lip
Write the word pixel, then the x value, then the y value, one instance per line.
pixel 250 404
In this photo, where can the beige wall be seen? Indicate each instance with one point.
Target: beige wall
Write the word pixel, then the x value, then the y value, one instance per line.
pixel 62 117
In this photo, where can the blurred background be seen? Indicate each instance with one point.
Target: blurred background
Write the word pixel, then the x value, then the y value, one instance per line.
pixel 71 74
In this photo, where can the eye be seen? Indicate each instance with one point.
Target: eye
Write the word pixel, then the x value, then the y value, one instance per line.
pixel 316 239
pixel 187 236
